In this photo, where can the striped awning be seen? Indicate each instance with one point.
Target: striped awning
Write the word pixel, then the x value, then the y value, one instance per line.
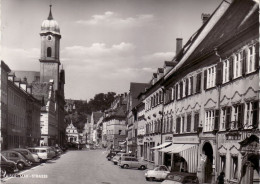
pixel 162 145
pixel 188 151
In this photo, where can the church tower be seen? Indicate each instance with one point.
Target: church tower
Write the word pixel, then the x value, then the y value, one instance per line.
pixel 50 51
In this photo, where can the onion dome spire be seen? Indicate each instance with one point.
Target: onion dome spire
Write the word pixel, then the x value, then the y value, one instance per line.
pixel 50 14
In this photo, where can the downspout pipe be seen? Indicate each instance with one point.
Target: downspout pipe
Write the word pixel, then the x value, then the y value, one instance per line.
pixel 219 94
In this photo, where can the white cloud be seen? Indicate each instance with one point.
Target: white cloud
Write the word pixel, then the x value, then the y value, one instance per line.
pixel 113 19
pixel 21 59
pixel 159 56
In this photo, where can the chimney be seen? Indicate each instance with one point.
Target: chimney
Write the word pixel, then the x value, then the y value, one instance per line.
pixel 178 45
pixel 204 17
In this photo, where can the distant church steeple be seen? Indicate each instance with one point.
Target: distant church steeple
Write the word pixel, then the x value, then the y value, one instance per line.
pixel 50 51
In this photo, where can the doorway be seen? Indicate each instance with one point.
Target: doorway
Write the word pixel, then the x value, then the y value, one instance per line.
pixel 208 166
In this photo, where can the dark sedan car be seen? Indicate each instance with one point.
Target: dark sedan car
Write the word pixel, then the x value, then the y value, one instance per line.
pixel 181 178
pixel 18 158
pixel 7 166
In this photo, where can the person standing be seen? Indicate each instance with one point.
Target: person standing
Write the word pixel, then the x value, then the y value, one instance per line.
pixel 220 179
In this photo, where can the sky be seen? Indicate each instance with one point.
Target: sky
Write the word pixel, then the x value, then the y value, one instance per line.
pixel 105 44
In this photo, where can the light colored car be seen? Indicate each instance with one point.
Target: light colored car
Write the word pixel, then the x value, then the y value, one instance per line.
pixel 158 173
pixel 181 178
pixel 131 162
pixel 33 157
pixel 117 157
pixel 45 153
pixel 18 158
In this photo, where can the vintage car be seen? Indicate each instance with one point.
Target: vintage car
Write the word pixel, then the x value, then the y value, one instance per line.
pixel 7 166
pixel 158 173
pixel 180 178
pixel 131 162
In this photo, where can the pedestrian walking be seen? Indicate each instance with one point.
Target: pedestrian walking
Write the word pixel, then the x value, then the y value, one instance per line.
pixel 220 179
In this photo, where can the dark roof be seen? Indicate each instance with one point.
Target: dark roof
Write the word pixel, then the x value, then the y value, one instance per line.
pixel 170 63
pixel 30 75
pixel 97 116
pixel 135 90
pixel 5 67
pixel 160 70
pixel 41 91
pixel 239 16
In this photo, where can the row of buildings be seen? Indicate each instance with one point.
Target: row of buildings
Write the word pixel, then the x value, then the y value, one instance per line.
pixel 32 102
pixel 200 112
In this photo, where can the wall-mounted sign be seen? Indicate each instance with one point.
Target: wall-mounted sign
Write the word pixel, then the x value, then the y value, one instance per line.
pixel 168 138
pixel 186 140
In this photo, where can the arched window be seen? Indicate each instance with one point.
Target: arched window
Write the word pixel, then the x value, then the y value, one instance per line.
pixel 48 52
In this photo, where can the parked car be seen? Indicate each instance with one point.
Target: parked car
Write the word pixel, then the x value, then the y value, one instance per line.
pixel 18 158
pixel 180 178
pixel 33 157
pixel 131 162
pixel 110 155
pixel 118 155
pixel 7 166
pixel 43 152
pixel 158 173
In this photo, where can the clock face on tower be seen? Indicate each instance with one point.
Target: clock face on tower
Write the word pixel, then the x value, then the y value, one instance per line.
pixel 49 37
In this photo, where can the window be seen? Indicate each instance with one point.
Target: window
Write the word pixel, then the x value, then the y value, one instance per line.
pixel 251 114
pixel 119 132
pixel 178 91
pixel 251 59
pixel 238 65
pixel 222 163
pixel 48 52
pixel 211 77
pixel 237 116
pixel 234 167
pixel 226 71
pixel 188 123
pixel 178 124
pixel 196 121
pixel 209 120
pixel 184 88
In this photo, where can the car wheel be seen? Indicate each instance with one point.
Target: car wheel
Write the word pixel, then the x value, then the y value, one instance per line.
pixel 149 178
pixel 126 166
pixel 142 167
pixel 115 163
pixel 3 172
pixel 20 165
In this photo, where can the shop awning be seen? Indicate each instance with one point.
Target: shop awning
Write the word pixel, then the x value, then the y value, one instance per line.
pixel 181 147
pixel 170 148
pixel 162 145
pixel 188 151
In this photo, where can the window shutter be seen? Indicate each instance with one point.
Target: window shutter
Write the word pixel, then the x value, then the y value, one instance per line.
pixel 171 123
pixel 177 91
pixel 219 73
pixel 257 55
pixel 178 121
pixel 159 126
pixel 228 117
pixel 255 114
pixel 188 123
pixel 173 93
pixel 191 85
pixel 240 119
pixel 231 68
pixel 181 89
pixel 216 126
pixel 198 85
pixel 196 122
pixel 244 63
pixel 205 79
pixel 186 87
